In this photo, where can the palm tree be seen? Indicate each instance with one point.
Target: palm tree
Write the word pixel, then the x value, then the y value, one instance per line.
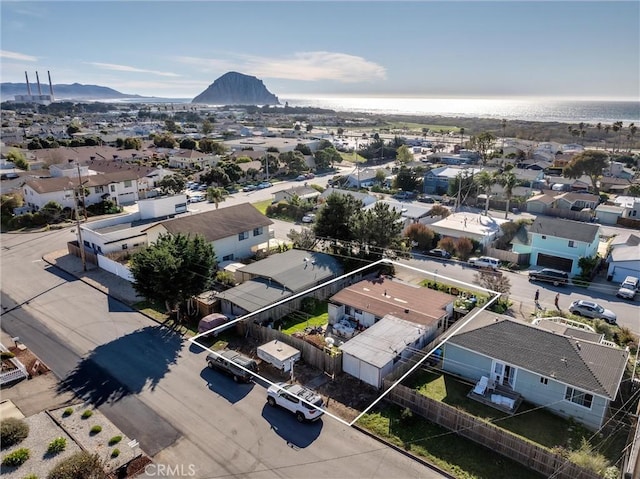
pixel 607 129
pixel 461 135
pixel 633 129
pixel 485 181
pixel 617 127
pixel 599 127
pixel 508 181
pixel 215 195
pixel 504 132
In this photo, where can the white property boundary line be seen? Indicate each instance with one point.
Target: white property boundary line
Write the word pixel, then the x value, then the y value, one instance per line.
pixel 359 270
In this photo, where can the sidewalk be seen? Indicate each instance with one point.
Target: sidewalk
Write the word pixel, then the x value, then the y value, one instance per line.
pixel 98 278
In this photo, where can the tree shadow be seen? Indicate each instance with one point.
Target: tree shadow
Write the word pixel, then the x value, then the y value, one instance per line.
pixel 224 386
pixel 285 425
pixel 124 366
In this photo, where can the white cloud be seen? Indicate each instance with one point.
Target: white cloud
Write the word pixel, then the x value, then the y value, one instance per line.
pixel 17 56
pixel 126 68
pixel 303 66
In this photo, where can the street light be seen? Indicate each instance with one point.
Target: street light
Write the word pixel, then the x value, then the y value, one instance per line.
pixel 83 256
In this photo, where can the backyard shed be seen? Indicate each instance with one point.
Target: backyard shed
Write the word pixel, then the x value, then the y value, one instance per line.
pixel 280 354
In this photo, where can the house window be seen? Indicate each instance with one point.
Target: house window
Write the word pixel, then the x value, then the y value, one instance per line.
pixel 572 244
pixel 229 257
pixel 112 188
pixel 243 236
pixel 99 189
pixel 127 183
pixel 544 380
pixel 578 397
pixel 257 231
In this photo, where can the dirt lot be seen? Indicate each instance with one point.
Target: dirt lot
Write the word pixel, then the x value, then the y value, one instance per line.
pixel 33 365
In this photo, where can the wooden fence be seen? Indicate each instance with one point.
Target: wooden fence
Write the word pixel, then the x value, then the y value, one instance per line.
pixel 569 214
pixel 89 256
pixel 531 455
pixel 509 256
pixel 330 363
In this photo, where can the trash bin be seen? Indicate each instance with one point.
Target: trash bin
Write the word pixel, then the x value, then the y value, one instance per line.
pixel 610 277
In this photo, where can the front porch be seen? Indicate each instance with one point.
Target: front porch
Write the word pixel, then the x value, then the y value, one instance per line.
pixel 497 396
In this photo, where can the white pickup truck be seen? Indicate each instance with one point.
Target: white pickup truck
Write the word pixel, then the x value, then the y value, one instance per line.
pixel 628 288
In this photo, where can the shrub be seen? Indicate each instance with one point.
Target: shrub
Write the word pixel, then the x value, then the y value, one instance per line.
pixel 79 465
pixel 12 431
pixel 96 429
pixel 115 440
pixel 57 445
pixel 30 476
pixel 6 355
pixel 67 412
pixel 87 414
pixel 115 453
pixel 16 458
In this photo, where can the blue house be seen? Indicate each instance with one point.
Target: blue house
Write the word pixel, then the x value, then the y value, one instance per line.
pixel 571 372
pixel 558 243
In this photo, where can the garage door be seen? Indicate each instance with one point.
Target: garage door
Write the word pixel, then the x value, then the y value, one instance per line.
pixel 555 262
pixel 619 274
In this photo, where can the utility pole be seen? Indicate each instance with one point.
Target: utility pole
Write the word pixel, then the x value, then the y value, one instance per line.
pixel 80 242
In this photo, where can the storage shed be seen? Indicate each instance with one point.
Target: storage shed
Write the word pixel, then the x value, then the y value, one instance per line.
pixel 280 354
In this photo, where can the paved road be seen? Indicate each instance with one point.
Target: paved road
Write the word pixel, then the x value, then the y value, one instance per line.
pixel 155 387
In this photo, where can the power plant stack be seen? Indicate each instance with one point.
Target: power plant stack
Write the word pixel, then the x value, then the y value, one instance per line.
pixel 39 98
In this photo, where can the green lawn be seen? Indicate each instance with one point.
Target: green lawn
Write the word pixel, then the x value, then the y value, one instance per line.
pixel 319 317
pixel 262 206
pixel 534 424
pixel 460 457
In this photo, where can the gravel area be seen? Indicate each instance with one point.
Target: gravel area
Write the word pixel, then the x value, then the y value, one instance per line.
pixel 79 429
pixel 42 430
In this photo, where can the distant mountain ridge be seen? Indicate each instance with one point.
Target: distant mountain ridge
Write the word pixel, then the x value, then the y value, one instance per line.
pixel 75 91
pixel 235 88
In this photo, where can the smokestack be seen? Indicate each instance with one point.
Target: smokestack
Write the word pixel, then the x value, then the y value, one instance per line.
pixel 38 80
pixel 50 84
pixel 28 86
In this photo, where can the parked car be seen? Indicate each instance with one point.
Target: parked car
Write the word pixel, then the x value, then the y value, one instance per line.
pixel 628 288
pixel 404 195
pixel 438 253
pixel 485 262
pixel 212 321
pixel 228 363
pixel 549 275
pixel 426 199
pixel 301 178
pixel 301 401
pixel 309 218
pixel 249 188
pixel 263 185
pixel 589 309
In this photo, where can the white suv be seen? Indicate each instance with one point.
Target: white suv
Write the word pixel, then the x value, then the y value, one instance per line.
pixel 485 262
pixel 628 288
pixel 301 401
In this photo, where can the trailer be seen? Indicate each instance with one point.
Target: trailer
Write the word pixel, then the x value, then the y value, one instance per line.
pixel 280 354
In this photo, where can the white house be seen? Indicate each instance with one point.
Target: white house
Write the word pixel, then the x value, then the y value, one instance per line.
pixel 478 227
pixel 233 230
pixel 120 187
pixel 192 159
pixel 631 205
pixel 624 258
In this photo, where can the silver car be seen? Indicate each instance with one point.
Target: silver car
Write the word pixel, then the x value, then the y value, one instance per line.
pixel 589 309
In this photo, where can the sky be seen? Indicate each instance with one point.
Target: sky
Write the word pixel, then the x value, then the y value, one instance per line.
pixel 430 49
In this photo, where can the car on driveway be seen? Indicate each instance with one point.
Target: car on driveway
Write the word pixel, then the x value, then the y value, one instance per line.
pixel 301 401
pixel 309 218
pixel 438 253
pixel 485 262
pixel 554 276
pixel 589 309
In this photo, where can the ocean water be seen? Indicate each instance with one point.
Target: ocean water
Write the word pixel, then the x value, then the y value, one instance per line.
pixel 543 110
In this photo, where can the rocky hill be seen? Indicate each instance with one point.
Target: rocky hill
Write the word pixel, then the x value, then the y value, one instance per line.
pixel 74 91
pixel 237 89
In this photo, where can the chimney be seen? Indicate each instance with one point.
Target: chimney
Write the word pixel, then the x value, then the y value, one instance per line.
pixel 28 86
pixel 50 84
pixel 38 80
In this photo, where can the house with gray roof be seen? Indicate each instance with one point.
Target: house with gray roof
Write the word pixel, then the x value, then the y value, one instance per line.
pixel 366 198
pixel 277 277
pixel 570 376
pixel 302 192
pixel 558 243
pixel 234 231
pixel 624 258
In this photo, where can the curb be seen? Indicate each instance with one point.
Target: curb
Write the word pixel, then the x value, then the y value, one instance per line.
pixel 404 452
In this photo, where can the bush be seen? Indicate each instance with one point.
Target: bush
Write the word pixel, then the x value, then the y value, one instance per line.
pixel 12 431
pixel 115 440
pixel 88 413
pixel 96 429
pixel 57 445
pixel 16 458
pixel 30 476
pixel 6 355
pixel 115 453
pixel 80 465
pixel 67 412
